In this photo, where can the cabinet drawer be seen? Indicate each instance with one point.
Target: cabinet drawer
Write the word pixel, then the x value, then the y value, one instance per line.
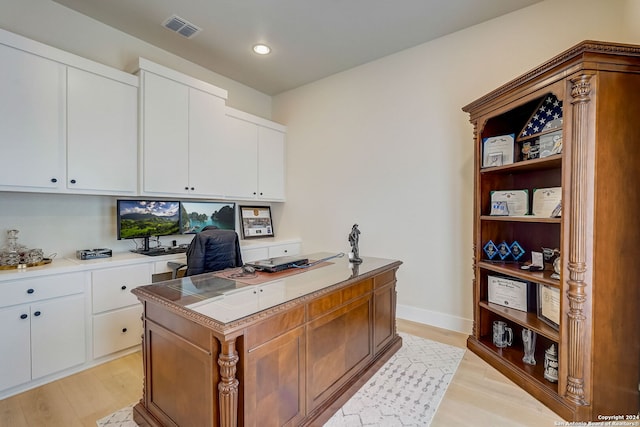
pixel 283 250
pixel 254 254
pixel 116 330
pixel 30 290
pixel 112 287
pixel 327 303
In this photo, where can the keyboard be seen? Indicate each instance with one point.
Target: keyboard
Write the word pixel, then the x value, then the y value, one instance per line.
pixel 164 251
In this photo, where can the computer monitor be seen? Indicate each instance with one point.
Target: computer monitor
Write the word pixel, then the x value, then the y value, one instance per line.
pixel 141 219
pixel 197 215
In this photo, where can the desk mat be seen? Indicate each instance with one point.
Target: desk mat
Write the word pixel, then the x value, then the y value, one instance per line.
pixel 260 277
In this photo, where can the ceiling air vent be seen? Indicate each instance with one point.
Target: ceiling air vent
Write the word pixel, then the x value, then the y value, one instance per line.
pixel 181 26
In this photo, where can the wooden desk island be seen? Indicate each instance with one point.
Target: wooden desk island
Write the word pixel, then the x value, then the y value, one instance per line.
pixel 221 351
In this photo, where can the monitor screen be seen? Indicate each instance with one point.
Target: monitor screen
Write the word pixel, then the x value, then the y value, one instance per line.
pixel 197 215
pixel 146 218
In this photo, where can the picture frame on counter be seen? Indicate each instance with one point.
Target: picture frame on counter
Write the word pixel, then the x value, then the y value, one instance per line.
pixel 256 222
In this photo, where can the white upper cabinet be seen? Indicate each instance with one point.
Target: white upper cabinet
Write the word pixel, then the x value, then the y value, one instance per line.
pixel 241 152
pixel 165 135
pixel 68 124
pixel 71 125
pixel 102 135
pixel 182 132
pixel 271 163
pixel 32 120
pixel 255 148
pixel 206 135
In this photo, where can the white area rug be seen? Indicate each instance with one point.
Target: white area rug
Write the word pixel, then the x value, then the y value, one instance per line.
pixel 406 391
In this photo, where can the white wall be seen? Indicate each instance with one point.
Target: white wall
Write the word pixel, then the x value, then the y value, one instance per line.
pixel 55 25
pixel 61 224
pixel 386 145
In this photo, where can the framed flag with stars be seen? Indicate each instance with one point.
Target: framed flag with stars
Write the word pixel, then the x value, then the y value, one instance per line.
pixel 546 118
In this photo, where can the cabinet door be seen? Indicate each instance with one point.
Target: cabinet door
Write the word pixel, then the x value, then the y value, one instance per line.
pixel 165 153
pixel 32 121
pixel 179 364
pixel 338 342
pixel 277 390
pixel 241 158
pixel 271 164
pixel 57 335
pixel 206 135
pixel 15 348
pixel 102 126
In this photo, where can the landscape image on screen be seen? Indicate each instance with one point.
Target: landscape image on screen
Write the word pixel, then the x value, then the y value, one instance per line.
pixel 144 218
pixel 197 215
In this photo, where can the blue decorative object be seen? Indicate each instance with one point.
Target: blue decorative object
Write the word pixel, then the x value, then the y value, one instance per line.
pixel 490 249
pixel 516 250
pixel 503 250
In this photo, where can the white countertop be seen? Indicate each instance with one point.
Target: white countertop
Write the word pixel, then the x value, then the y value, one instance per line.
pixel 68 265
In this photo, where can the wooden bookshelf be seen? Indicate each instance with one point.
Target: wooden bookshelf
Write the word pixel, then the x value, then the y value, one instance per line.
pixel 597 235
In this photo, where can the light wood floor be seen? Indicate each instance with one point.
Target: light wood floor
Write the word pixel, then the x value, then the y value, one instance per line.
pixel 477 396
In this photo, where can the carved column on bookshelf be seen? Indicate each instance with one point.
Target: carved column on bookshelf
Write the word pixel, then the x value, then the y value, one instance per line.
pixel 580 91
pixel 228 385
pixel 474 280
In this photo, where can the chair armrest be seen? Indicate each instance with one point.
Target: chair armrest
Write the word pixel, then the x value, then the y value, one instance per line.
pixel 175 267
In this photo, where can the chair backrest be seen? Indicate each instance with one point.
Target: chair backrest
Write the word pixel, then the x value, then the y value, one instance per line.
pixel 213 249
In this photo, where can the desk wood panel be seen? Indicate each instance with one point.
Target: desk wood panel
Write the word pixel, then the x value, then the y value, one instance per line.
pixel 289 365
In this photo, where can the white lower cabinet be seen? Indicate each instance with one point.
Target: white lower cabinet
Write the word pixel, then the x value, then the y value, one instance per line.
pixel 57 324
pixel 117 323
pixel 255 252
pixel 15 346
pixel 116 330
pixel 39 337
pixel 57 335
pixel 284 250
pixel 111 287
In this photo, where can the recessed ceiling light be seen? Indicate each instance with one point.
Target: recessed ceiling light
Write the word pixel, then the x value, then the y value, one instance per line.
pixel 261 49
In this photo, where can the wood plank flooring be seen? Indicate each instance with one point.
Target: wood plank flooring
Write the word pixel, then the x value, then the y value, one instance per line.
pixel 77 400
pixel 477 396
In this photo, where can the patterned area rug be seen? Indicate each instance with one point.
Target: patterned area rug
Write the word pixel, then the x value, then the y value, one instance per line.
pixel 406 391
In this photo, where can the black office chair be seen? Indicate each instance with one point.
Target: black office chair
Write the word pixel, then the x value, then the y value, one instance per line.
pixel 212 249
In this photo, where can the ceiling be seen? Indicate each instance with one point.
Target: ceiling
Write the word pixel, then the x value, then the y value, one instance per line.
pixel 310 40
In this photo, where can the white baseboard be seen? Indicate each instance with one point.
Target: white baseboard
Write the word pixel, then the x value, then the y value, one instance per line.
pixel 434 318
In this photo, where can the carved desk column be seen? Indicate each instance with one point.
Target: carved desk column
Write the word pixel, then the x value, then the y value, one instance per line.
pixel 228 385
